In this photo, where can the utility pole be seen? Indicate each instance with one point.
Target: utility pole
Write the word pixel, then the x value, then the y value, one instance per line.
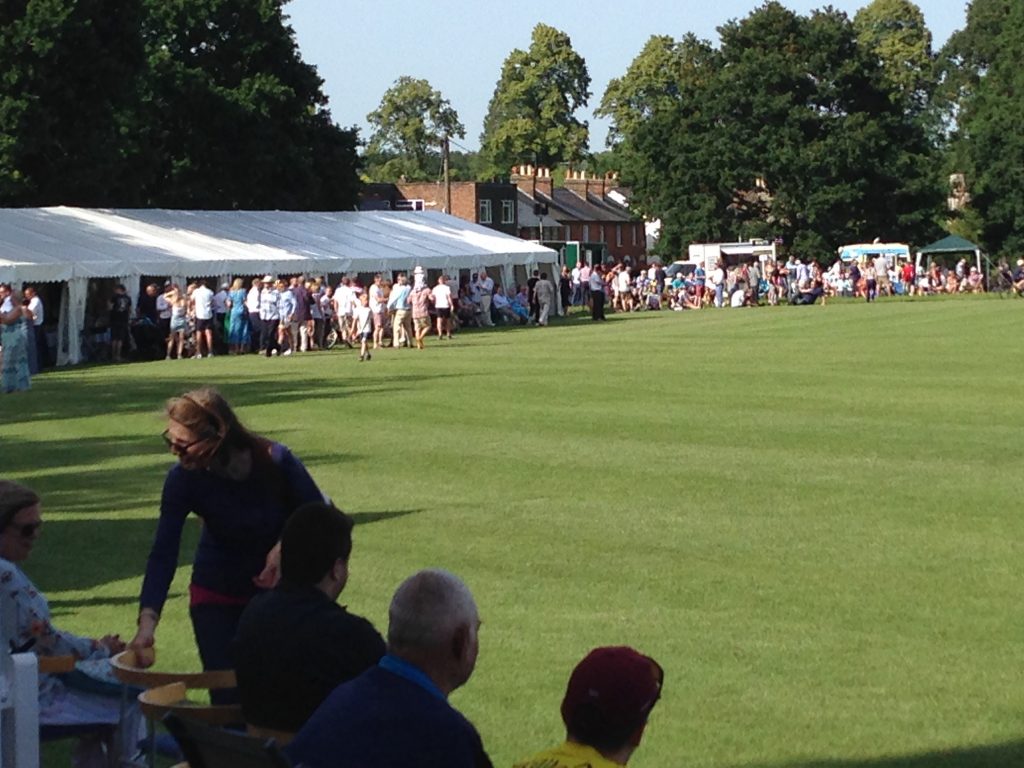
pixel 445 151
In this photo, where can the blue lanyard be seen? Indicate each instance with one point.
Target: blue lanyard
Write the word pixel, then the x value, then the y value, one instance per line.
pixel 412 673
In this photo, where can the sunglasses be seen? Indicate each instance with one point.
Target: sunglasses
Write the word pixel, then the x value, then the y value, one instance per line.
pixel 178 448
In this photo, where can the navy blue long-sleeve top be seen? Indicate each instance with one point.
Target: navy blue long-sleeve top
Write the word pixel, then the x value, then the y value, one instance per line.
pixel 242 521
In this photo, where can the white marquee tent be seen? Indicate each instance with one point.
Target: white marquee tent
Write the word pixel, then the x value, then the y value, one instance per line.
pixel 74 245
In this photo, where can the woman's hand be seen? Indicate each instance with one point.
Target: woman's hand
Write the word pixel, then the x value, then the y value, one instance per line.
pixel 271 573
pixel 144 639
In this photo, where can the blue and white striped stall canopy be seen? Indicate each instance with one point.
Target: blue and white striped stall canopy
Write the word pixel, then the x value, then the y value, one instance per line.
pixel 862 251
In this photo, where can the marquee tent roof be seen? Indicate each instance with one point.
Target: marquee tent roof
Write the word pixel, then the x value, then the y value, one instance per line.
pixel 58 244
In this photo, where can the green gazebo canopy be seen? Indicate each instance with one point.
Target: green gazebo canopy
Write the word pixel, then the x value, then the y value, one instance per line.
pixel 951 244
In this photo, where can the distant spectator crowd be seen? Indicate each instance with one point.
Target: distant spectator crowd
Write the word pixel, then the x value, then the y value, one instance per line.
pixel 624 288
pixel 284 315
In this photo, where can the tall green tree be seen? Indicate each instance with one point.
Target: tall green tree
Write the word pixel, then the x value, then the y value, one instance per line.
pixel 896 33
pixel 176 103
pixel 788 129
pixel 532 114
pixel 988 147
pixel 71 73
pixel 650 83
pixel 236 118
pixel 409 128
pixel 659 112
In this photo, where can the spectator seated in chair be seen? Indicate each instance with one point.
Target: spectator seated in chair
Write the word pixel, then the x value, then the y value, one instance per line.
pixel 295 644
pixel 397 713
pixel 607 703
pixel 503 307
pixel 1018 278
pixel 973 282
pixel 87 701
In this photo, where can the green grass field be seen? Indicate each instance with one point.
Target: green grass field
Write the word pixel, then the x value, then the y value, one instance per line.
pixel 806 514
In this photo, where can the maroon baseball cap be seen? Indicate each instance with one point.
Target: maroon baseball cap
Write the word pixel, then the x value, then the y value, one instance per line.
pixel 616 684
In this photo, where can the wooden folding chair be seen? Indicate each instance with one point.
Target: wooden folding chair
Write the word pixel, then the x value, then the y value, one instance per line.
pixel 283 738
pixel 166 692
pixel 172 698
pixel 207 747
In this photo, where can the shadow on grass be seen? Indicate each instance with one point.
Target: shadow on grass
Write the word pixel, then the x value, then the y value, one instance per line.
pixel 1008 755
pixel 57 469
pixel 109 397
pixel 59 608
pixel 78 555
pixel 72 606
pixel 83 554
pixel 362 518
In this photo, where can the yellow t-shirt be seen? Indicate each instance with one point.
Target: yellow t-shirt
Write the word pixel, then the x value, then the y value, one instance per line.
pixel 568 755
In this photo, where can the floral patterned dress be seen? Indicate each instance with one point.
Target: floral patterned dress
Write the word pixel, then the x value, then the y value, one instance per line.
pixel 14 340
pixel 58 704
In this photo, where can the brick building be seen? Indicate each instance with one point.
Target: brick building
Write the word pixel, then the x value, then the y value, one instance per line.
pixel 586 209
pixel 491 204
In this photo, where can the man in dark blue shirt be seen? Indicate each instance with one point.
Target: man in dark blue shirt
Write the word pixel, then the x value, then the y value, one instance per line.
pixel 397 714
pixel 295 644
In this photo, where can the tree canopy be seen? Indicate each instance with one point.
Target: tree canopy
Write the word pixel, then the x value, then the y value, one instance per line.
pixel 895 32
pixel 532 115
pixel 988 146
pixel 174 103
pixel 788 129
pixel 71 73
pixel 409 126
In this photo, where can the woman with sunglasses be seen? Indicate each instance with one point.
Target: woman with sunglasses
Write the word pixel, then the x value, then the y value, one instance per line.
pixel 20 524
pixel 243 487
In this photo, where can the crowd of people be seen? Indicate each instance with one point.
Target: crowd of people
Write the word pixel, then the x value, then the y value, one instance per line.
pixel 270 564
pixel 280 316
pixel 795 281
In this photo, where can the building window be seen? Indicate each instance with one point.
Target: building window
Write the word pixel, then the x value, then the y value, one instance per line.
pixel 600 234
pixel 586 233
pixel 485 211
pixel 568 234
pixel 618 235
pixel 633 227
pixel 508 212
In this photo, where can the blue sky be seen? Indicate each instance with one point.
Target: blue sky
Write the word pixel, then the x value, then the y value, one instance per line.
pixel 360 49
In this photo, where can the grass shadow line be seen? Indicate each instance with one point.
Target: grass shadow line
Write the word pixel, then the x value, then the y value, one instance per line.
pixel 364 518
pixel 1005 755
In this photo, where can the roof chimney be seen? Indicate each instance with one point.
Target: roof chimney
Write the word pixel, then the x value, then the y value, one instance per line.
pixel 578 182
pixel 543 178
pixel 524 178
pixel 608 182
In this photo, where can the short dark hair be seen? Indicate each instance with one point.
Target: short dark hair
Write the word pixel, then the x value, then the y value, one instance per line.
pixel 314 538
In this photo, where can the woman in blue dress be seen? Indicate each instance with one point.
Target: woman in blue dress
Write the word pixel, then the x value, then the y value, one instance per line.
pixel 238 318
pixel 14 376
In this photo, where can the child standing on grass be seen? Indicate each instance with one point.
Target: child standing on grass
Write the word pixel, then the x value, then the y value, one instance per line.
pixel 363 323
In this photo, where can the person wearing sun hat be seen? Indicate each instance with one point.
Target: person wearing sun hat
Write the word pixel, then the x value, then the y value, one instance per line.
pixel 609 697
